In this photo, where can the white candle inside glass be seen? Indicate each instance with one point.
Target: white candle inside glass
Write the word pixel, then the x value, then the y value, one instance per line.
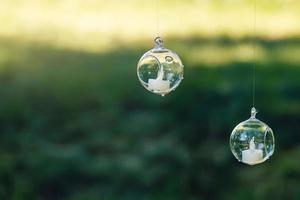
pixel 159 84
pixel 252 155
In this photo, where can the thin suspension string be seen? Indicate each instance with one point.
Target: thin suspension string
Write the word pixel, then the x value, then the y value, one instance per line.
pixel 157 18
pixel 254 56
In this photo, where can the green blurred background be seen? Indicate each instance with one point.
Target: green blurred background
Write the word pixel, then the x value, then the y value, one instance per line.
pixel 76 124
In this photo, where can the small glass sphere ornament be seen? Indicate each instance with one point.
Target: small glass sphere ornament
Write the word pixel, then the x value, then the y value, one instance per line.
pixel 160 70
pixel 252 141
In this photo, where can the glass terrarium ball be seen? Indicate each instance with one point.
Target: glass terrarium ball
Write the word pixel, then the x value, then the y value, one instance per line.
pixel 160 70
pixel 252 141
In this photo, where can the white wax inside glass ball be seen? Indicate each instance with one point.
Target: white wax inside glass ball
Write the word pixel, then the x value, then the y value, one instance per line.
pixel 252 156
pixel 158 84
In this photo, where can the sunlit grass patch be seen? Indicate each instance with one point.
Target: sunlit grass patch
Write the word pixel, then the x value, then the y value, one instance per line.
pixel 97 26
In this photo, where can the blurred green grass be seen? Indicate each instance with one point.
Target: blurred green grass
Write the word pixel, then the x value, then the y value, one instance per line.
pixel 77 125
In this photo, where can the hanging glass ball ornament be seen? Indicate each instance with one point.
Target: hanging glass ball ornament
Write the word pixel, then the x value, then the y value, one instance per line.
pixel 252 141
pixel 160 70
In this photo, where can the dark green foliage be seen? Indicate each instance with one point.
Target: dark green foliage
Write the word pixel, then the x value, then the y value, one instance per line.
pixel 79 126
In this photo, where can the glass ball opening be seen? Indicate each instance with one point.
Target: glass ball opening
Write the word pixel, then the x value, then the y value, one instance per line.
pixel 160 70
pixel 252 141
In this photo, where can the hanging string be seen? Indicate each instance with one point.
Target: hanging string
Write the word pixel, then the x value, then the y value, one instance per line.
pixel 157 18
pixel 254 56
